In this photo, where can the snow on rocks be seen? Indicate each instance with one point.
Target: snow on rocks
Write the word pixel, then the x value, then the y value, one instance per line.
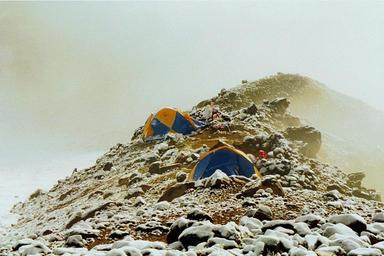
pixel 354 221
pixel 378 217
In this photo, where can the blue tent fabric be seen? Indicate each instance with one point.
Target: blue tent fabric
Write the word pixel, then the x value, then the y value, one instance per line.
pixel 225 159
pixel 159 128
pixel 181 125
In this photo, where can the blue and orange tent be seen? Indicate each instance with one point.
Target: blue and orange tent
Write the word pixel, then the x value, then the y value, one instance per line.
pixel 170 120
pixel 225 158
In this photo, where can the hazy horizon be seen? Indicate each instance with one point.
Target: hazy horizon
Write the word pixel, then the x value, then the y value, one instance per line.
pixel 82 76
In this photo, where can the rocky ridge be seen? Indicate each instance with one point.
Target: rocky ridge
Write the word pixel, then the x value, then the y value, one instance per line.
pixel 137 198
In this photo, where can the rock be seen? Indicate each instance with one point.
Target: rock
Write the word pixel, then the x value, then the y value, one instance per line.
pixel 332 195
pixel 330 251
pixel 378 217
pixel 75 241
pixel 139 201
pixel 339 228
pixel 176 228
pixel 181 176
pixel 301 228
pixel 262 213
pixel 222 242
pixel 150 226
pixel 176 191
pixel 138 244
pixel 36 194
pixel 278 223
pixel 354 180
pixel 198 215
pixel 70 251
pixel 346 243
pixel 279 105
pixel 127 250
pixel 118 234
pixel 107 166
pixel 354 221
pixel 296 251
pixel 376 227
pixel 194 235
pixel 78 216
pixel 311 219
pixel 266 182
pixel 162 206
pixel 309 135
pixel 251 223
pixel 154 168
pixel 365 252
pixel 314 240
pixel 251 110
pixel 134 192
pixel 216 180
pixel 33 248
pixel 379 246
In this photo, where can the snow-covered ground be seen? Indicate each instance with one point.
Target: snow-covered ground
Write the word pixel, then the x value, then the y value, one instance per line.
pixel 19 180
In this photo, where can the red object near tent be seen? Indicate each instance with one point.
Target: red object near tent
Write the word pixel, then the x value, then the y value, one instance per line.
pixel 263 154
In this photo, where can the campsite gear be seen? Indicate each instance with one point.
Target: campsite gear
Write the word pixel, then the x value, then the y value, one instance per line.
pixel 263 154
pixel 226 158
pixel 170 120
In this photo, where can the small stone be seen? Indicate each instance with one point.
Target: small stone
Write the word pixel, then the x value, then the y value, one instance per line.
pixel 139 201
pixel 107 166
pixel 181 176
pixel 134 192
pixel 75 241
pixel 330 251
pixel 379 217
pixel 199 215
pixel 162 206
pixel 118 234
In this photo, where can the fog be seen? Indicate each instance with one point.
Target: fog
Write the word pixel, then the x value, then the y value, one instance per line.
pixel 81 76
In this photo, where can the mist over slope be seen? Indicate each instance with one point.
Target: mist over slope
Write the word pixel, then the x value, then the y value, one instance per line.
pixel 351 129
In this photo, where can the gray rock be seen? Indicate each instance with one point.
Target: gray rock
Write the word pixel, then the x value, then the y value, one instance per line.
pixel 36 247
pixel 222 242
pixel 354 221
pixel 134 192
pixel 311 219
pixel 365 252
pixel 278 223
pixel 181 176
pixel 261 213
pixel 339 228
pixel 176 228
pixel 330 251
pixel 251 223
pixel 75 241
pixel 378 217
pixel 301 228
pixel 376 228
pixel 380 246
pixel 162 206
pixel 198 215
pixel 194 235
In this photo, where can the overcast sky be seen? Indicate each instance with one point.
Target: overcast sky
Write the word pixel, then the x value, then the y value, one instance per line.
pixel 86 74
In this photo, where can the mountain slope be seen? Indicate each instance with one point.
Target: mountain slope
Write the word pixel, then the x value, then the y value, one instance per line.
pixel 352 130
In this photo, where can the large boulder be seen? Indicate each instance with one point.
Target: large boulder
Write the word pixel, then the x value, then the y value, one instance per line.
pixel 310 137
